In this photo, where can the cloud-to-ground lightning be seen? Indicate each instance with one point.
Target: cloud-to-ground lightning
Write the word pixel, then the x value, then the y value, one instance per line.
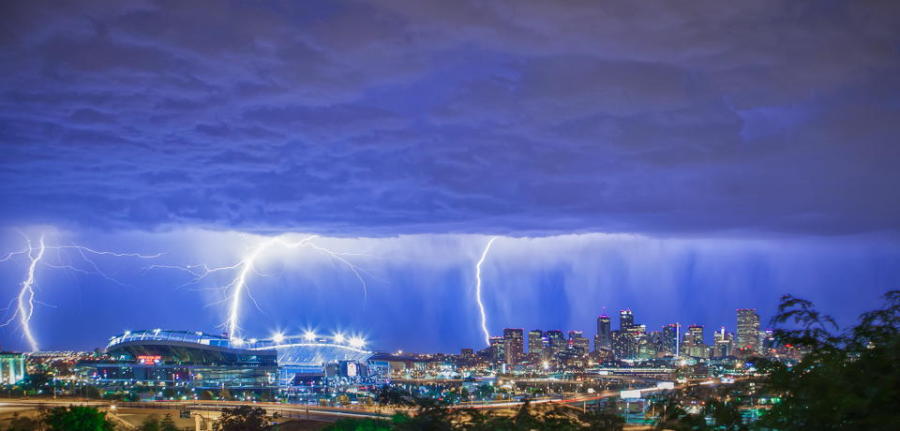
pixel 25 308
pixel 478 282
pixel 25 300
pixel 237 287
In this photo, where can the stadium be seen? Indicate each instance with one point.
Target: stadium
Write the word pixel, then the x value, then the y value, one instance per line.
pixel 202 360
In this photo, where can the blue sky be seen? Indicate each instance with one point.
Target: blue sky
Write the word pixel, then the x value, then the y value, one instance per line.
pixel 707 156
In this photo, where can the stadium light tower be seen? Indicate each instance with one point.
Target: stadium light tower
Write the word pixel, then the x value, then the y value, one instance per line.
pixel 278 337
pixel 357 342
pixel 309 335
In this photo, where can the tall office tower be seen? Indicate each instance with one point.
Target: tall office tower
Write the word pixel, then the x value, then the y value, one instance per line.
pixel 724 343
pixel 578 343
pixel 767 341
pixel 535 344
pixel 514 344
pixel 497 349
pixel 670 339
pixel 626 319
pixel 694 342
pixel 619 344
pixel 603 340
pixel 556 343
pixel 747 331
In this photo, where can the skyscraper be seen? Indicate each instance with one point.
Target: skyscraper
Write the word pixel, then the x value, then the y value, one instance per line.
pixel 603 340
pixel 694 343
pixel 535 344
pixel 670 339
pixel 724 343
pixel 497 349
pixel 556 343
pixel 626 319
pixel 513 343
pixel 578 344
pixel 748 331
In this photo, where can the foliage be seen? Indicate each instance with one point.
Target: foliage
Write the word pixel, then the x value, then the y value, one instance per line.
pixel 153 423
pixel 23 423
pixel 77 418
pixel 848 379
pixel 243 418
pixel 434 415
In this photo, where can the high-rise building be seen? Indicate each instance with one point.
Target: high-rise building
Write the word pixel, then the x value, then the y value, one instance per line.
pixel 748 331
pixel 12 368
pixel 556 343
pixel 497 349
pixel 694 343
pixel 535 344
pixel 514 343
pixel 603 340
pixel 670 342
pixel 626 319
pixel 578 343
pixel 723 343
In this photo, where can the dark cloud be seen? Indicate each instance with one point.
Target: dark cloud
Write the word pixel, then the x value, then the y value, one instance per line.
pixel 518 117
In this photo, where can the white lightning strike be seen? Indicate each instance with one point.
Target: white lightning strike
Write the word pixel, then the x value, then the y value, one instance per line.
pixel 238 286
pixel 487 248
pixel 25 300
pixel 26 295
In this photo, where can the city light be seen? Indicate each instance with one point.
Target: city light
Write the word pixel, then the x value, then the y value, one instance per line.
pixel 357 342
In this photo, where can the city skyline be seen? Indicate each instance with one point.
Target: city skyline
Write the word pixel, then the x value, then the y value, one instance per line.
pixel 345 165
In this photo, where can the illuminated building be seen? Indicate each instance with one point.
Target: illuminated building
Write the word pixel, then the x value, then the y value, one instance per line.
pixel 556 343
pixel 536 344
pixel 578 343
pixel 497 348
pixel 12 368
pixel 626 319
pixel 603 340
pixel 197 359
pixel 514 345
pixel 748 331
pixel 723 344
pixel 694 344
pixel 670 343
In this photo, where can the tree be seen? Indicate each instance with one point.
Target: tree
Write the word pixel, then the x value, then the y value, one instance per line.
pixel 243 418
pixel 847 380
pixel 77 418
pixel 23 423
pixel 151 423
pixel 167 424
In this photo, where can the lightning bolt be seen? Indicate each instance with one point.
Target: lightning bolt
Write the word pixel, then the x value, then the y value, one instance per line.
pixel 26 294
pixel 484 253
pixel 25 300
pixel 238 286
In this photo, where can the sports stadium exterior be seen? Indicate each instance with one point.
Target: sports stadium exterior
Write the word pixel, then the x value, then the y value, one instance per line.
pixel 200 360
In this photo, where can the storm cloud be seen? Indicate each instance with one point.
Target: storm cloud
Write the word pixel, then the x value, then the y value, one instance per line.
pixel 510 117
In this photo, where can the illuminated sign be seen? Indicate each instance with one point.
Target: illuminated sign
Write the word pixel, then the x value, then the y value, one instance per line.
pixel 149 359
pixel 630 394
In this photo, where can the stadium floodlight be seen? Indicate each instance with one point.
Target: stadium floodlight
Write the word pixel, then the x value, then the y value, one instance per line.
pixel 237 341
pixel 339 338
pixel 309 335
pixel 357 342
pixel 278 338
